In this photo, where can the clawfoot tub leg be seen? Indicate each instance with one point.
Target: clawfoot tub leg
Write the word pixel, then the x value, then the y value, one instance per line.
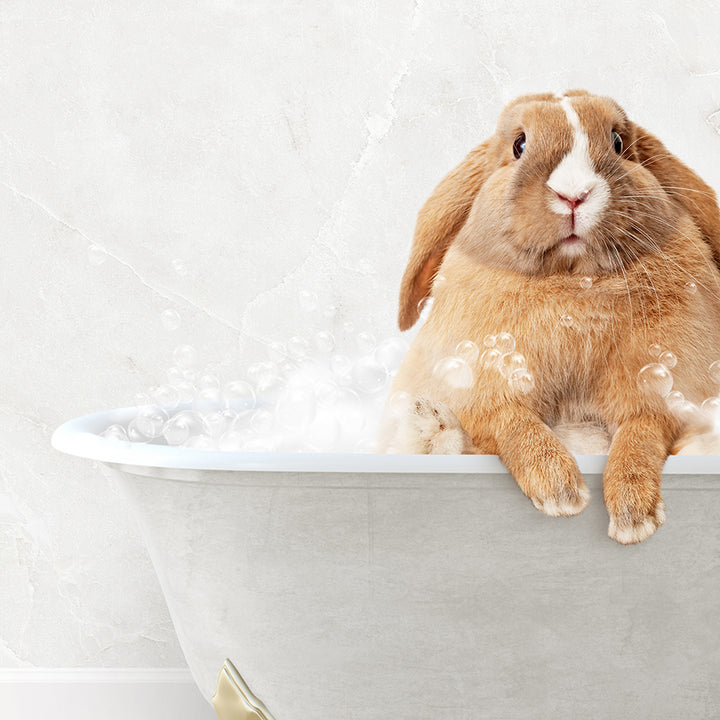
pixel 233 699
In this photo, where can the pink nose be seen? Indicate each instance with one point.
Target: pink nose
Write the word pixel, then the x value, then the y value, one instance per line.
pixel 575 201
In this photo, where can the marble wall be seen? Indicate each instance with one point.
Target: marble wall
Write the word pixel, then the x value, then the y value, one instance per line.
pixel 218 157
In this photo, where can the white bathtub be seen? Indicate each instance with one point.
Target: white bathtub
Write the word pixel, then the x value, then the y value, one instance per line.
pixel 349 587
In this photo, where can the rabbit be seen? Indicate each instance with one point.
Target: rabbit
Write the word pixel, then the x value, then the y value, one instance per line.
pixel 575 235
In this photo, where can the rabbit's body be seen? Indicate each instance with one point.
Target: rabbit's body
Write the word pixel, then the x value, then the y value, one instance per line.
pixel 584 344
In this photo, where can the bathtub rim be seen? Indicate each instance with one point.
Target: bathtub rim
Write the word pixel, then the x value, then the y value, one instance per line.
pixel 80 437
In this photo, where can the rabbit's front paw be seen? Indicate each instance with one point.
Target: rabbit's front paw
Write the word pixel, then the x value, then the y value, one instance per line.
pixel 566 499
pixel 428 427
pixel 628 525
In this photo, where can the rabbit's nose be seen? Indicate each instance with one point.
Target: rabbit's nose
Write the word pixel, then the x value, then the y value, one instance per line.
pixel 573 202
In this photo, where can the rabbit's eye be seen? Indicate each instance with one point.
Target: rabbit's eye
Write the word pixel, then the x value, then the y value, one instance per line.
pixel 519 145
pixel 617 142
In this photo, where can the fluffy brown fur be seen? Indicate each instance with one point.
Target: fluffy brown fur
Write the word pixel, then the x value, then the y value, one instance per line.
pixel 489 232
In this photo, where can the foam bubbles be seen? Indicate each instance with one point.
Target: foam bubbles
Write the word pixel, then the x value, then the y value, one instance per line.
pixel 586 282
pixel 566 320
pixel 690 288
pixel 369 375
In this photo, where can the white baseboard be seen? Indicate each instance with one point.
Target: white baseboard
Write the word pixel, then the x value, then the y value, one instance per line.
pixel 107 693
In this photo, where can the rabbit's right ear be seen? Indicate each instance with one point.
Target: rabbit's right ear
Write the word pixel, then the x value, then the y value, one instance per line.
pixel 438 223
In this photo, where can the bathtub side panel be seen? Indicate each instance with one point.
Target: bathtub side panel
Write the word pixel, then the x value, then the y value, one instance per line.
pixel 357 600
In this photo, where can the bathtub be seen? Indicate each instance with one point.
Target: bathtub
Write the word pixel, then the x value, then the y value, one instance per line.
pixel 348 587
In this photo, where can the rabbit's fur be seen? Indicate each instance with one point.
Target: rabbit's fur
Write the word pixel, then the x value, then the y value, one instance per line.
pixel 502 245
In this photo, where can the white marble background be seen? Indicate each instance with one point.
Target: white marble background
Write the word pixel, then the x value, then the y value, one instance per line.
pixel 271 147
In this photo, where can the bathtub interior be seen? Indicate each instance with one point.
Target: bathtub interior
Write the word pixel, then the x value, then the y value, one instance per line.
pixel 366 586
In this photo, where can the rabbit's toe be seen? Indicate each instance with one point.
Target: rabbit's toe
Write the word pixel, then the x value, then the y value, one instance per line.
pixel 429 427
pixel 566 501
pixel 631 527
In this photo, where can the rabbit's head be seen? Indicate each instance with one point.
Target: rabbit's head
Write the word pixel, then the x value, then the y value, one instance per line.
pixel 565 185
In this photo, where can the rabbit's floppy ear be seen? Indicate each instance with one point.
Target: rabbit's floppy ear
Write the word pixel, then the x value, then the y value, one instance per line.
pixel 681 184
pixel 439 221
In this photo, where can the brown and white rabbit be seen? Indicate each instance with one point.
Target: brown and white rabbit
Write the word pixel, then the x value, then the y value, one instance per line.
pixel 577 233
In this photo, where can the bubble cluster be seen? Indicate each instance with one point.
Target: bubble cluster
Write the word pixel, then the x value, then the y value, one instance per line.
pixel 310 394
pixel 500 355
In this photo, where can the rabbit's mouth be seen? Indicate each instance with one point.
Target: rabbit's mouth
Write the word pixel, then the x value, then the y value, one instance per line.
pixel 570 239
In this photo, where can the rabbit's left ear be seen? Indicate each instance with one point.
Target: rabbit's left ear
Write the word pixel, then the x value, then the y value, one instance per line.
pixel 681 184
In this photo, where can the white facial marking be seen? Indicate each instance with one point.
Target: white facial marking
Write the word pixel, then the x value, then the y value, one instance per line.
pixel 575 179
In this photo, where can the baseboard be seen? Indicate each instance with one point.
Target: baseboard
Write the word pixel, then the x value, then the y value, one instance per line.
pixel 108 693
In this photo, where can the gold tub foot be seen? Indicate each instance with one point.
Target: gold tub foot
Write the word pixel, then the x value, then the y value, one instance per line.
pixel 233 699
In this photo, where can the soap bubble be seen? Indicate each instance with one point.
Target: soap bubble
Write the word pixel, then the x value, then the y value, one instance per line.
pixel 135 434
pixel 96 255
pixel 369 375
pixel 566 320
pixel 400 402
pixel 298 347
pixel 209 382
pixel 116 432
pixel 178 428
pixel 186 391
pixel 166 395
pixel 232 441
pixel 586 282
pixel 185 356
pixel 468 351
pixel 510 362
pixel 324 341
pixel 239 396
pixel 505 343
pixel 201 442
pixel 179 267
pixel 490 341
pixel 216 423
pixel 307 301
pixel 326 393
pixel 453 371
pixel 439 281
pixel 668 359
pixel 365 342
pixel 424 307
pixel 690 288
pixel 390 353
pixel 341 365
pixel 654 350
pixel 714 371
pixel 170 319
pixel 174 375
pixel 491 358
pixel 711 406
pixel 522 380
pixel 142 399
pixel 207 400
pixel 150 420
pixel 655 379
pixel 675 399
pixel 296 407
